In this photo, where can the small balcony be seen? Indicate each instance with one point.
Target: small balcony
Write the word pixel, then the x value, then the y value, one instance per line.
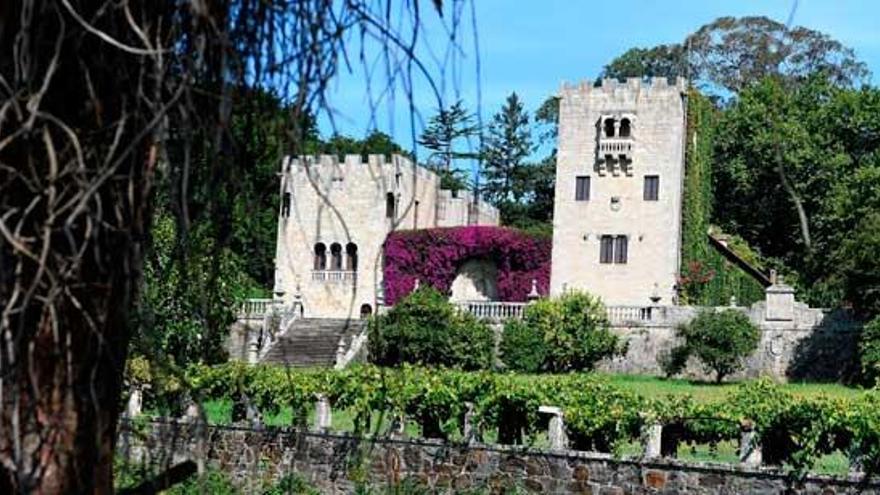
pixel 334 276
pixel 615 146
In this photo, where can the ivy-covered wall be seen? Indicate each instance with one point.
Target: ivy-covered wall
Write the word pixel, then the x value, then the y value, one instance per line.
pixel 707 277
pixel 433 256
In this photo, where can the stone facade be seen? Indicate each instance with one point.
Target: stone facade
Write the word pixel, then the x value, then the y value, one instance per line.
pixel 339 463
pixel 334 218
pixel 619 173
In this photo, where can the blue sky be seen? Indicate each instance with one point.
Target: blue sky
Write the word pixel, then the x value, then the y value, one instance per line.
pixel 532 46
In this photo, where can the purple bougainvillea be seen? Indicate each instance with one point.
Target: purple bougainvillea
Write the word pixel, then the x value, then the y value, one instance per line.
pixel 433 256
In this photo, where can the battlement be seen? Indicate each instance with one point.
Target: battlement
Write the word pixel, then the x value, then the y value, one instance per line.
pixel 633 85
pixel 317 162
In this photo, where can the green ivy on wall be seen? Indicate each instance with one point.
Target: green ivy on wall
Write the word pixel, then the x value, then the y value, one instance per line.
pixel 707 277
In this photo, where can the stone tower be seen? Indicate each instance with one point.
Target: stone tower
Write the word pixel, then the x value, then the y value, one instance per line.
pixel 619 172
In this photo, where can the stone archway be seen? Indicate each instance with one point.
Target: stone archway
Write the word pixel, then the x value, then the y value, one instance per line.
pixel 475 280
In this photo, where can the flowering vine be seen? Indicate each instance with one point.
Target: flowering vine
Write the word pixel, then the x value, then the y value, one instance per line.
pixel 433 256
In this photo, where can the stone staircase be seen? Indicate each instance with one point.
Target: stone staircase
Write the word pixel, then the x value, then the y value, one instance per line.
pixel 311 342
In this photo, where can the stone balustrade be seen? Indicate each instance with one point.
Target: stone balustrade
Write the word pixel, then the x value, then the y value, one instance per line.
pixel 615 146
pixel 344 276
pixel 256 307
pixel 494 310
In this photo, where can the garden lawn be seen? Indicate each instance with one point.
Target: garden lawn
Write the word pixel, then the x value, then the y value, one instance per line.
pixel 650 386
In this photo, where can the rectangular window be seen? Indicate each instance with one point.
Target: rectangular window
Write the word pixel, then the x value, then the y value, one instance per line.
pixel 620 247
pixel 613 249
pixel 582 188
pixel 652 187
pixel 285 205
pixel 606 249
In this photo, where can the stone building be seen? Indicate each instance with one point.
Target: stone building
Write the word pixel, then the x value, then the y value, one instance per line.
pixel 619 172
pixel 333 221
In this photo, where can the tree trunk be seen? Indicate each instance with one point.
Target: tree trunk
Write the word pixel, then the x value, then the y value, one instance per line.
pixel 76 168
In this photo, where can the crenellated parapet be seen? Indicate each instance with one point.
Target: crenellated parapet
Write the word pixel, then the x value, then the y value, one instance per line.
pixel 319 163
pixel 655 86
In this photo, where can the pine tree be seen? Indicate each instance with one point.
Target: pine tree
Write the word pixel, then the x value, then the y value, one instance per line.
pixel 444 133
pixel 508 143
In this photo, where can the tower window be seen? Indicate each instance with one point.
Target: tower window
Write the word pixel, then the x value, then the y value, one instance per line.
pixel 625 128
pixel 613 249
pixel 582 188
pixel 652 187
pixel 320 256
pixel 285 205
pixel 621 243
pixel 609 128
pixel 335 256
pixel 389 205
pixel 606 249
pixel 351 257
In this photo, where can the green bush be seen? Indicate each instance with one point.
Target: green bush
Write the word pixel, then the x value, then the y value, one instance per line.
pixel 569 333
pixel 522 348
pixel 425 328
pixel 869 350
pixel 720 340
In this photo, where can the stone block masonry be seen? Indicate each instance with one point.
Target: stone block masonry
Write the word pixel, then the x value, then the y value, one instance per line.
pixel 340 463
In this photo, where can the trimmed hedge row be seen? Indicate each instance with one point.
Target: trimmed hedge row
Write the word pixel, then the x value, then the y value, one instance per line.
pixel 794 431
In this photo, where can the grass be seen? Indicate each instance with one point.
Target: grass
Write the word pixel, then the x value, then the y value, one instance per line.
pixel 653 387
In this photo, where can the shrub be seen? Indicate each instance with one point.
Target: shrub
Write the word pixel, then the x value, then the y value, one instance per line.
pixel 522 348
pixel 869 350
pixel 425 328
pixel 571 333
pixel 720 340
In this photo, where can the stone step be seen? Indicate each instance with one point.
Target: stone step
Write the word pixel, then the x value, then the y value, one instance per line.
pixel 311 342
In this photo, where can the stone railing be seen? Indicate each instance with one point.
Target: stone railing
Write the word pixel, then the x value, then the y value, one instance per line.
pixel 493 310
pixel 256 308
pixel 334 276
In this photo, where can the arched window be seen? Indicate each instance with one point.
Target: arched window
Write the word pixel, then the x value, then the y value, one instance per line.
pixel 351 257
pixel 389 205
pixel 366 311
pixel 335 256
pixel 320 256
pixel 609 128
pixel 625 128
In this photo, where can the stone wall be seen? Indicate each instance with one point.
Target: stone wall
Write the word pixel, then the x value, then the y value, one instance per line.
pixel 339 463
pixel 797 342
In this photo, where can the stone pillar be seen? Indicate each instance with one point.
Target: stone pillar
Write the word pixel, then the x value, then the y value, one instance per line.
pixel 323 414
pixel 398 427
pixel 252 415
pixel 471 431
pixel 253 344
pixel 749 447
pixel 779 301
pixel 556 429
pixel 134 407
pixel 652 438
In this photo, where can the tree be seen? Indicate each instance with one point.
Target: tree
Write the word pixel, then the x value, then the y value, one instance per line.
pixel 425 328
pixel 507 144
pixel 567 333
pixel 860 266
pixel 720 340
pixel 729 53
pixel 445 132
pixel 669 61
pixel 93 94
pixel 805 161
